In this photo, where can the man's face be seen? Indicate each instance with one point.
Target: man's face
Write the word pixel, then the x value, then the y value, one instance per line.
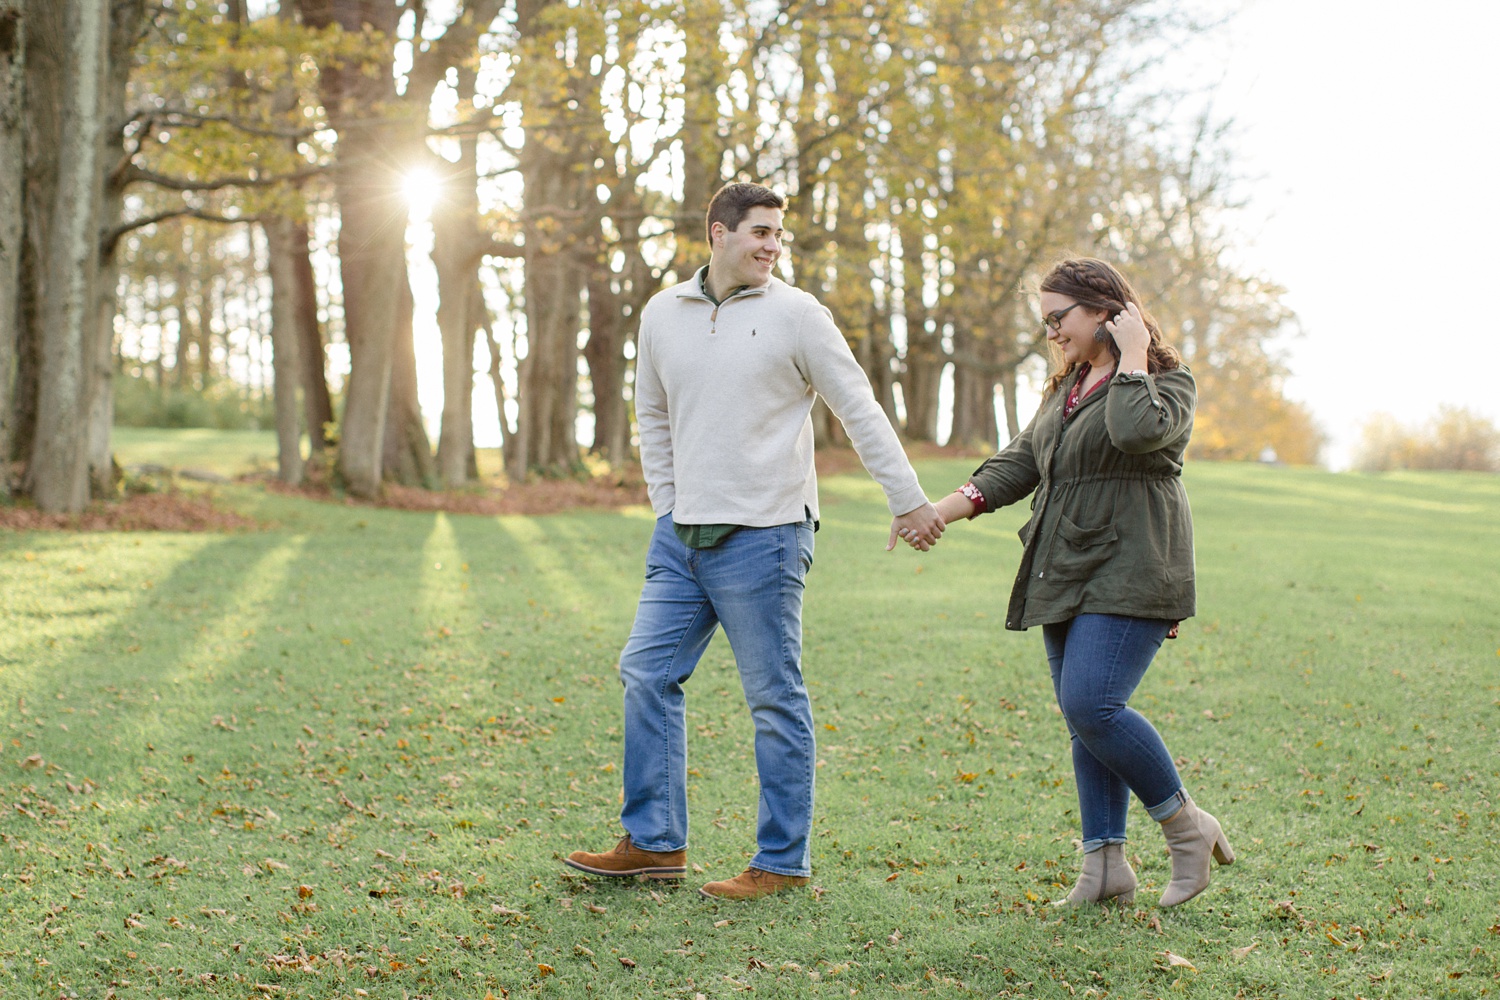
pixel 747 255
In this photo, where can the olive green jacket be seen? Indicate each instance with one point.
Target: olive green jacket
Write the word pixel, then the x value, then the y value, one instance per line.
pixel 1110 529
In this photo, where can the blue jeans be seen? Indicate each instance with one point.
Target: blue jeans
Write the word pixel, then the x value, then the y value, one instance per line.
pixel 1097 661
pixel 751 583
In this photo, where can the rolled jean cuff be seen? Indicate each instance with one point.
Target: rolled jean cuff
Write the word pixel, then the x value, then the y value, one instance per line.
pixel 798 873
pixel 1166 810
pixel 1100 843
pixel 641 844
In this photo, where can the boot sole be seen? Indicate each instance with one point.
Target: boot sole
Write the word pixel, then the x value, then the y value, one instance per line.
pixel 659 873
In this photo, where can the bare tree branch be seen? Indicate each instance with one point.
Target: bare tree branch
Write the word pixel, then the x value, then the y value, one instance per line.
pixel 135 173
pixel 111 239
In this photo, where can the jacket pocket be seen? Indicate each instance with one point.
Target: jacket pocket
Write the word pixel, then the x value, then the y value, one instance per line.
pixel 1026 529
pixel 1081 551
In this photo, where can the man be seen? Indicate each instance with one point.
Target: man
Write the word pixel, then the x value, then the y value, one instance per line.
pixel 728 365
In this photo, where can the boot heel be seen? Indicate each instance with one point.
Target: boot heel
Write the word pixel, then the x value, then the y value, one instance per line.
pixel 1223 853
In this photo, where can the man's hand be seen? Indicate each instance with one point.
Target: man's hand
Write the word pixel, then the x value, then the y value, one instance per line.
pixel 920 528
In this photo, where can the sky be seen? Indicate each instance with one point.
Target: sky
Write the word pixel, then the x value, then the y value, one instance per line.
pixel 1366 137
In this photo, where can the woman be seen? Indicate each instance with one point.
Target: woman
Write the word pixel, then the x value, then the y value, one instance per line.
pixel 1107 570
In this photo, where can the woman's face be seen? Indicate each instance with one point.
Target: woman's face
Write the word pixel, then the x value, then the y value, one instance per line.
pixel 1074 330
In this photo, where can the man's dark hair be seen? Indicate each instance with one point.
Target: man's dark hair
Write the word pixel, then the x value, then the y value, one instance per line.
pixel 732 201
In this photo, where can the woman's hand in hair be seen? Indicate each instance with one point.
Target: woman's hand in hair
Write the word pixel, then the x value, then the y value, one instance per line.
pixel 1131 336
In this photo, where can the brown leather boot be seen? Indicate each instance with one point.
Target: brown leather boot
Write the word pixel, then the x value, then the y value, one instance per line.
pixel 752 883
pixel 1192 836
pixel 1106 875
pixel 627 860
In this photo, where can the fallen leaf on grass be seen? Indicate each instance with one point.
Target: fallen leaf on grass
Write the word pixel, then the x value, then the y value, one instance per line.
pixel 722 923
pixel 544 970
pixel 32 762
pixel 629 963
pixel 895 936
pixel 595 908
pixel 1242 952
pixel 1178 960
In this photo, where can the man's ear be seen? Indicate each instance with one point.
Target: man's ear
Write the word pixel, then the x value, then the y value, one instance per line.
pixel 715 231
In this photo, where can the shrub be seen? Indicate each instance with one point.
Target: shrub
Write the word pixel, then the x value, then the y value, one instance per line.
pixel 222 406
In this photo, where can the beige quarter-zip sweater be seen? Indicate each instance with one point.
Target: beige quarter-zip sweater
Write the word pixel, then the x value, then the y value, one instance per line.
pixel 723 402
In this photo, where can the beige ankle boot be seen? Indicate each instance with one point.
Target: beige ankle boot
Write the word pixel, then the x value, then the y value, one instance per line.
pixel 1192 836
pixel 1106 875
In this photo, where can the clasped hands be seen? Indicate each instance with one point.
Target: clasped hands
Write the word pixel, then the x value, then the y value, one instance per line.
pixel 920 528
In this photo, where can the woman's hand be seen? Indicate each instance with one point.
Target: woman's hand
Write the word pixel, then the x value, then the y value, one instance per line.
pixel 1131 336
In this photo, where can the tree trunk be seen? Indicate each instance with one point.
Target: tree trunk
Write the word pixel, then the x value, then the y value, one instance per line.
pixel 125 19
pixel 181 377
pixel 407 457
pixel 66 63
pixel 496 380
pixel 973 410
pixel 456 251
pixel 104 475
pixel 372 230
pixel 314 372
pixel 12 164
pixel 208 309
pixel 1008 399
pixel 373 265
pixel 922 371
pixel 556 166
pixel 546 436
pixel 605 354
pixel 28 349
pixel 922 375
pixel 286 343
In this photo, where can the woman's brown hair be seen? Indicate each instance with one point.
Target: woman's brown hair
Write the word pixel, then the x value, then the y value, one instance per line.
pixel 1095 284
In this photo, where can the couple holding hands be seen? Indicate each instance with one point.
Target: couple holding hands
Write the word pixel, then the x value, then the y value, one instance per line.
pixel 728 365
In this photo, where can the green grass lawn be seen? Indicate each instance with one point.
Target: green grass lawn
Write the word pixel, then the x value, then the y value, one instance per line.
pixel 227 453
pixel 345 754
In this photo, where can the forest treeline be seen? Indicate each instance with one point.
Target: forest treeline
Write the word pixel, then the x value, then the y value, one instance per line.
pixel 193 192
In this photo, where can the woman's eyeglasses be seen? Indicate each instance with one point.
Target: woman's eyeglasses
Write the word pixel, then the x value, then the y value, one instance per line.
pixel 1054 319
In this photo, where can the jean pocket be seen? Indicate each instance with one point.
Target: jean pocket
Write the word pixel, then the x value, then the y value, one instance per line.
pixel 805 545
